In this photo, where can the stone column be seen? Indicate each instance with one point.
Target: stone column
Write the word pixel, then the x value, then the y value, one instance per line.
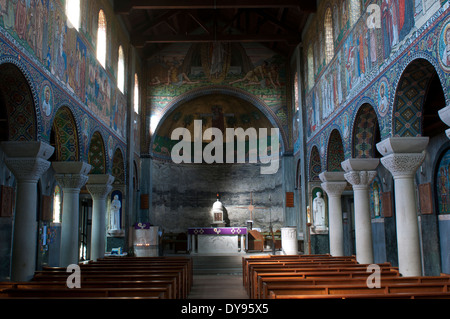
pixel 99 186
pixel 360 173
pixel 27 161
pixel 334 184
pixel 71 176
pixel 402 157
pixel 444 114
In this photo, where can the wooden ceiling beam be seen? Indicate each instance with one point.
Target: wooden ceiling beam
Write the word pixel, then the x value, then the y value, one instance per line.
pixel 161 19
pixel 125 7
pixel 140 41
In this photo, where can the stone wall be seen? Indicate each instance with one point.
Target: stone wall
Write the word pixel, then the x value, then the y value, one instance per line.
pixel 183 195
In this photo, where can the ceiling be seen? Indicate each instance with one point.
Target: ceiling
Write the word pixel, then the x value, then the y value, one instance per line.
pixel 154 24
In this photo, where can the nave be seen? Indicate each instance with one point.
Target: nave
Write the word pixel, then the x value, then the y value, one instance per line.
pixel 229 277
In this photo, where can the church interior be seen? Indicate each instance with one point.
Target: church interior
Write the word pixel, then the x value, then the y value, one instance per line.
pixel 135 138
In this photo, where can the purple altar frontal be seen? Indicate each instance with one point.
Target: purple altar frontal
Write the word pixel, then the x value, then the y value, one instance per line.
pixel 218 231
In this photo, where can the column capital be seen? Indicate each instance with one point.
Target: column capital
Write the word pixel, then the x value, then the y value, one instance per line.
pixel 396 145
pixel 360 179
pixel 27 160
pixel 71 175
pixel 334 188
pixel 444 114
pixel 360 164
pixel 99 185
pixel 332 177
pixel 334 183
pixel 403 164
pixel 360 172
pixel 403 155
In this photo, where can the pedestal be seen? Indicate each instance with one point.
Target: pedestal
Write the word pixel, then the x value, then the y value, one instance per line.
pixel 334 183
pixel 360 173
pixel 320 244
pixel 289 242
pixel 27 161
pixel 146 240
pixel 99 186
pixel 71 176
pixel 402 157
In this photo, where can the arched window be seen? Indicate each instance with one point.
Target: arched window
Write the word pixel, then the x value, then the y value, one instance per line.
pixel 136 93
pixel 73 12
pixel 57 201
pixel 296 96
pixel 355 11
pixel 329 39
pixel 310 67
pixel 101 38
pixel 121 71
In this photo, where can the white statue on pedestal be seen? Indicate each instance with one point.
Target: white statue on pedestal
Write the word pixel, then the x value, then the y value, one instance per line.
pixel 115 213
pixel 319 211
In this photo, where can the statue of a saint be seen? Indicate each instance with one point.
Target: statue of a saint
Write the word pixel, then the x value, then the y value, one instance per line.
pixel 319 211
pixel 115 213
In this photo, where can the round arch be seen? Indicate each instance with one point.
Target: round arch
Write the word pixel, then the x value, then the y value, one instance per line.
pixel 335 152
pixel 97 154
pixel 20 100
pixel 64 136
pixel 189 96
pixel 118 167
pixel 411 91
pixel 365 133
pixel 315 164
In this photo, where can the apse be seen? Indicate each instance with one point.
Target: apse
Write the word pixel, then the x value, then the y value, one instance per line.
pixel 184 193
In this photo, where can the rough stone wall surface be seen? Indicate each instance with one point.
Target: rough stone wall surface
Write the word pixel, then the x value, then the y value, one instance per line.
pixel 183 195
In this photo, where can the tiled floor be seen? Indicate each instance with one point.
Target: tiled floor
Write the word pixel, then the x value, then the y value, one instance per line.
pixel 217 277
pixel 221 286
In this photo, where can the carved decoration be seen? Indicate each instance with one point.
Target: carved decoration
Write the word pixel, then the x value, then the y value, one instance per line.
pixel 72 181
pixel 334 189
pixel 403 164
pixel 360 179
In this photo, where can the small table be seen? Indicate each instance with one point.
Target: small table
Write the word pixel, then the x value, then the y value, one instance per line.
pixel 217 240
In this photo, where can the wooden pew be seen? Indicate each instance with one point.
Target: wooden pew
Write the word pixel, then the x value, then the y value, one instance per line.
pixel 155 292
pixel 265 284
pixel 135 266
pixel 362 288
pixel 312 270
pixel 408 295
pixel 147 277
pixel 144 261
pixel 179 292
pixel 100 277
pixel 324 277
pixel 316 259
pixel 168 284
pixel 312 273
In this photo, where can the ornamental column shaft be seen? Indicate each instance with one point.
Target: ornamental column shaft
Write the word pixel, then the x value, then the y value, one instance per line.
pixel 334 184
pixel 71 176
pixel 99 186
pixel 27 161
pixel 360 173
pixel 402 157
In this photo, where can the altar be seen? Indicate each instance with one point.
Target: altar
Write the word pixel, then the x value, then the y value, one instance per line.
pixel 216 240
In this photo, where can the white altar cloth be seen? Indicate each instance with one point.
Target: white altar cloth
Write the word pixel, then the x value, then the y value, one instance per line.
pixel 216 240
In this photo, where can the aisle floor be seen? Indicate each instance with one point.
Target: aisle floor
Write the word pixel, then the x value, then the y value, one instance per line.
pixel 220 286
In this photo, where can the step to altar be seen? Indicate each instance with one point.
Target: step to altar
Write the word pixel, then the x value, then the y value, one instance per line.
pixel 216 264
